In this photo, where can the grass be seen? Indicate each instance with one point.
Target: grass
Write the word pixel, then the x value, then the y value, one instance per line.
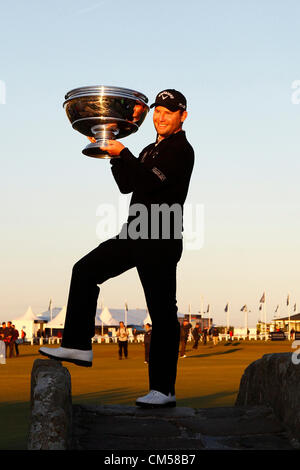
pixel 207 377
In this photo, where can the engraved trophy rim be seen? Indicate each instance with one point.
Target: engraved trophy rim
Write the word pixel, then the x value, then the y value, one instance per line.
pixel 106 90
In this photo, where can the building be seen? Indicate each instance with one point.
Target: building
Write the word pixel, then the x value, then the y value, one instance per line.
pixel 283 323
pixel 197 318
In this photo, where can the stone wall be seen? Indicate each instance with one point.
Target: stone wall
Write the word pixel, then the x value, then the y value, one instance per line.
pixel 274 380
pixel 51 406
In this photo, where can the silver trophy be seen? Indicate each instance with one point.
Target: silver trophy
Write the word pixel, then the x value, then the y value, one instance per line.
pixel 105 112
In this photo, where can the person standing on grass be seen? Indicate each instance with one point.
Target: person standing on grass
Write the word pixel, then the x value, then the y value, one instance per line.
pixel 15 339
pixel 215 335
pixel 8 339
pixel 122 335
pixel 205 336
pixel 196 335
pixel 151 241
pixel 184 335
pixel 147 341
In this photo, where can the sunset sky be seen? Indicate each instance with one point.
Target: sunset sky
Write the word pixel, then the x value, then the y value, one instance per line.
pixel 236 62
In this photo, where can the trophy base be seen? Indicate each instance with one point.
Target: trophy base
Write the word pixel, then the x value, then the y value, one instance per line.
pixel 93 150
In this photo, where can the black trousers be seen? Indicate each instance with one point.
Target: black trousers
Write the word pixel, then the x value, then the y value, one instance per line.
pixel 147 351
pixel 156 262
pixel 123 346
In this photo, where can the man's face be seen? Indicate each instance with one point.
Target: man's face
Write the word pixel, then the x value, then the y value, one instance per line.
pixel 167 122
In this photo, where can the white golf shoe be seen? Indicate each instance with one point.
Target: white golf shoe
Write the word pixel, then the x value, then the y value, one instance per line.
pixel 156 399
pixel 76 356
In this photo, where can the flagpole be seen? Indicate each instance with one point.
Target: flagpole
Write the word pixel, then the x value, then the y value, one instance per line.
pixel 227 319
pixel 265 312
pixel 202 319
pixel 289 314
pixel 227 316
pixel 50 308
pixel 126 309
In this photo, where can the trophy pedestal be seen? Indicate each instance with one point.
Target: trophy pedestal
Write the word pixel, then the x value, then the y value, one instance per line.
pixel 93 150
pixel 101 133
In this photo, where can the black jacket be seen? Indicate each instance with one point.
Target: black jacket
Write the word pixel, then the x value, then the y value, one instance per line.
pixel 160 175
pixel 147 336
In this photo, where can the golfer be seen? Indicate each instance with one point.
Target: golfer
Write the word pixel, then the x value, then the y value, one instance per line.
pixel 150 241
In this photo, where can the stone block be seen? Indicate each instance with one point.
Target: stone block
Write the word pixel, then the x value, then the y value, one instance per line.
pixel 274 380
pixel 51 406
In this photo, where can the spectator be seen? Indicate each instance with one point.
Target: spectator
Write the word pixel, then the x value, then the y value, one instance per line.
pixel 23 336
pixel 135 335
pixel 147 341
pixel 122 334
pixel 292 334
pixel 2 331
pixel 215 335
pixel 15 339
pixel 8 339
pixel 184 334
pixel 204 336
pixel 196 335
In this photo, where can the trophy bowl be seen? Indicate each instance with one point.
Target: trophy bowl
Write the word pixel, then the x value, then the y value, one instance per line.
pixel 105 112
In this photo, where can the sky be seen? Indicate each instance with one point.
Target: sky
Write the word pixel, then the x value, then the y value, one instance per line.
pixel 238 65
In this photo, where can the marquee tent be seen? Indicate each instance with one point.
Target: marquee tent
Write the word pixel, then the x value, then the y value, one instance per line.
pixel 104 317
pixel 134 316
pixel 46 316
pixel 147 319
pixel 29 322
pixel 59 321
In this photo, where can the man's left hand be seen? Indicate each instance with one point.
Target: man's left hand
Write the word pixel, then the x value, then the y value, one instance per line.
pixel 113 147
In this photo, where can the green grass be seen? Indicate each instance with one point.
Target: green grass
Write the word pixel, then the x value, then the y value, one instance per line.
pixel 208 377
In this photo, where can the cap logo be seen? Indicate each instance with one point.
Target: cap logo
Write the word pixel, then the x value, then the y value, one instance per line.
pixel 165 94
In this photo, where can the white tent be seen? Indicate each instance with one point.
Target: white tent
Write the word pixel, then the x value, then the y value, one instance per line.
pixel 134 316
pixel 27 323
pixel 46 316
pixel 147 320
pixel 59 320
pixel 138 316
pixel 104 317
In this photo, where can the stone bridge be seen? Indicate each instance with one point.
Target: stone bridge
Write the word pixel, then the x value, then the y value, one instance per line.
pixel 266 415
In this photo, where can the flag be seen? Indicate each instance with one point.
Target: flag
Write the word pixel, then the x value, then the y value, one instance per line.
pixel 263 298
pixel 260 307
pixel 244 308
pixel 207 309
pixel 226 308
pixel 126 307
pixel 276 308
pixel 50 305
pixel 295 307
pixel 288 300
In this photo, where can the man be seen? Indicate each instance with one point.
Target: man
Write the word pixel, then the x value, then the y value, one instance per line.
pixel 2 330
pixel 122 335
pixel 2 344
pixel 196 335
pixel 147 341
pixel 184 334
pixel 150 241
pixel 15 339
pixel 8 339
pixel 204 336
pixel 215 335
